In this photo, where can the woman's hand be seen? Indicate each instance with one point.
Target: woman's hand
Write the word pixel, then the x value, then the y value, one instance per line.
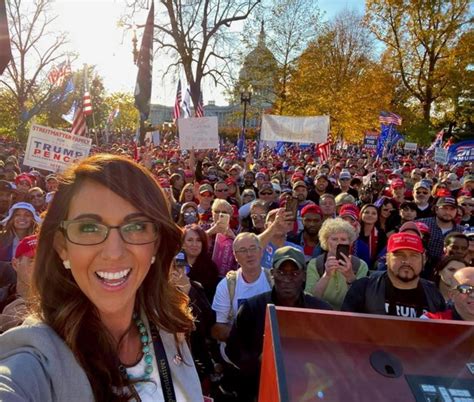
pixel 331 266
pixel 345 268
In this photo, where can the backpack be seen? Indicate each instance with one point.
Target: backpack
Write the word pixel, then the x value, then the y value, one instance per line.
pixel 320 264
pixel 231 278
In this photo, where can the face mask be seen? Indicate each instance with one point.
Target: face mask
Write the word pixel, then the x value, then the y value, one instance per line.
pixel 189 218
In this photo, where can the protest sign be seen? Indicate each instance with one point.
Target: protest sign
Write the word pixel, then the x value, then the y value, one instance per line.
pixel 295 129
pixel 54 150
pixel 411 146
pixel 441 155
pixel 461 152
pixel 223 255
pixel 370 140
pixel 198 133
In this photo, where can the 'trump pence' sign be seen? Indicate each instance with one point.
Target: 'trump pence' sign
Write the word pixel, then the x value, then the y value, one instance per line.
pixel 54 150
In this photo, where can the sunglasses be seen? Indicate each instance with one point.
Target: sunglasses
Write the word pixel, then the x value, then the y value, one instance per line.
pixel 266 193
pixel 422 192
pixel 465 289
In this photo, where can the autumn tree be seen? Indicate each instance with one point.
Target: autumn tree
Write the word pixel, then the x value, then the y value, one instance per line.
pixel 36 47
pixel 196 35
pixel 420 37
pixel 337 76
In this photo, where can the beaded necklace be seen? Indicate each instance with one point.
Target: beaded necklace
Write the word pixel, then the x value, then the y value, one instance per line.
pixel 148 357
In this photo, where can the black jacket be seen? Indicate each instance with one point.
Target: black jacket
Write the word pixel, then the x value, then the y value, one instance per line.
pixel 367 295
pixel 245 342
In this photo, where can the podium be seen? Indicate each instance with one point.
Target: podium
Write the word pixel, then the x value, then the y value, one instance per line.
pixel 316 355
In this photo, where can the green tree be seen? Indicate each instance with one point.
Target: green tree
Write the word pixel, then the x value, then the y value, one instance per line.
pixel 128 115
pixel 337 76
pixel 420 37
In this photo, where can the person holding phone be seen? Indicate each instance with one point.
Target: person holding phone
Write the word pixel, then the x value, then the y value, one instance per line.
pixel 330 275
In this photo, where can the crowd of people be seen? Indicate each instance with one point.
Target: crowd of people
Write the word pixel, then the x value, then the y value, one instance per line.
pixel 226 235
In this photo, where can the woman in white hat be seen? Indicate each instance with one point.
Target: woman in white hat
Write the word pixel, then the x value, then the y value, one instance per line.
pixel 21 221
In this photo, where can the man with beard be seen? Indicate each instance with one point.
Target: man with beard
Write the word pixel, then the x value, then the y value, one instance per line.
pixel 440 225
pixel 399 291
pixel 421 195
pixel 300 192
pixel 308 237
pixel 6 197
pixel 249 180
pixel 321 186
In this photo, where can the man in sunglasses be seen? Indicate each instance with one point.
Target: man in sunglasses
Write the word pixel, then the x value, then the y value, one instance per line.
pixel 462 297
pixel 245 343
pixel 421 195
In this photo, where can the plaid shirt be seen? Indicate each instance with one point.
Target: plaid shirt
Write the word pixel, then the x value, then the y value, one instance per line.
pixel 436 243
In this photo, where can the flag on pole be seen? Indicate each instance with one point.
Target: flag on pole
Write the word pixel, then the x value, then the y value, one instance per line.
pixel 113 115
pixel 186 105
pixel 69 116
pixel 5 46
pixel 79 124
pixel 145 67
pixel 86 100
pixel 390 118
pixel 323 151
pixel 177 103
pixel 200 107
pixel 437 142
pixel 60 73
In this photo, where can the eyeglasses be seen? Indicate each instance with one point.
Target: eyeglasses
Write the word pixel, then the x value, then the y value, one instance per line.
pixel 91 233
pixel 422 192
pixel 258 216
pixel 465 289
pixel 251 250
pixel 283 274
pixel 221 190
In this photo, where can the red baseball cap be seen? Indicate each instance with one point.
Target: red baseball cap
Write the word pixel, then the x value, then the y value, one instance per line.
pixel 405 241
pixel 397 183
pixel 27 247
pixel 349 210
pixel 312 209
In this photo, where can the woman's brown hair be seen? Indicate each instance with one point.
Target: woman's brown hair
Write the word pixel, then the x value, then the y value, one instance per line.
pixel 59 302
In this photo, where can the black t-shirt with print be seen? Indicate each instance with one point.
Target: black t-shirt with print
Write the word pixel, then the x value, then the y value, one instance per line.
pixel 408 303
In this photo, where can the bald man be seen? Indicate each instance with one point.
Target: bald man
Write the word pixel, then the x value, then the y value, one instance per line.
pixel 462 296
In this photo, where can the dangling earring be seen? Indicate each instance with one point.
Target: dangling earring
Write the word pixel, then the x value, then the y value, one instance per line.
pixel 67 264
pixel 153 259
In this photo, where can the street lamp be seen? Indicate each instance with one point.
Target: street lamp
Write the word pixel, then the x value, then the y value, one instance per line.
pixel 245 98
pixel 135 51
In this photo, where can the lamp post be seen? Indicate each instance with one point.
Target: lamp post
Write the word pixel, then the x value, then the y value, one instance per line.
pixel 245 98
pixel 135 51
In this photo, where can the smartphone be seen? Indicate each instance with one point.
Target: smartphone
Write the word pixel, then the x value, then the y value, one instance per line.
pixel 224 218
pixel 342 249
pixel 292 206
pixel 180 259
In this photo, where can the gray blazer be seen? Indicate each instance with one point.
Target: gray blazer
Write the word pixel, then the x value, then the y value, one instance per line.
pixel 36 365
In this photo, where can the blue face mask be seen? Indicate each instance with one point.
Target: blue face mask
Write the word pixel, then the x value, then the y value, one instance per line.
pixel 190 218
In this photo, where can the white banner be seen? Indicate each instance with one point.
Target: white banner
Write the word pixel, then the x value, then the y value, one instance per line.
pixel 441 155
pixel 54 150
pixel 198 132
pixel 312 130
pixel 411 146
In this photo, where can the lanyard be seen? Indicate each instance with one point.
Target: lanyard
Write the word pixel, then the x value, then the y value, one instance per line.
pixel 163 365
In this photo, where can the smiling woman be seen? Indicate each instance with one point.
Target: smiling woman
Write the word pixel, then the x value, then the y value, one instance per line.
pixel 107 323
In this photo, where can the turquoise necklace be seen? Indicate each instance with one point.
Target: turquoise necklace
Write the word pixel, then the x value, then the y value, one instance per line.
pixel 145 341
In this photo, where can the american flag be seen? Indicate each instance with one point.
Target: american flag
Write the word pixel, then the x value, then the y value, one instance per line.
pixel 324 151
pixel 59 73
pixel 200 107
pixel 437 142
pixel 177 103
pixel 86 104
pixel 390 118
pixel 79 124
